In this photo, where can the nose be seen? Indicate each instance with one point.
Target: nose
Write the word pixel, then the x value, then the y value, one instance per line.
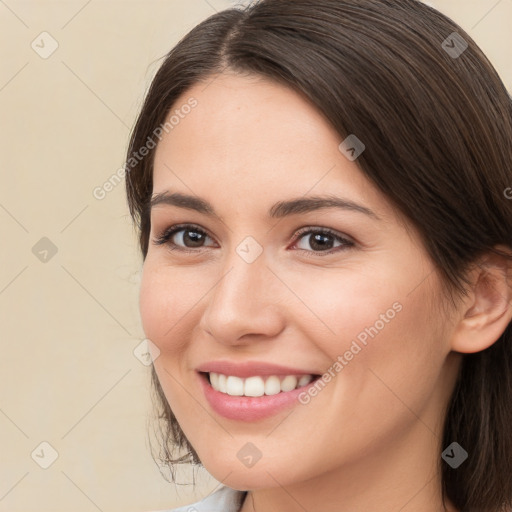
pixel 244 304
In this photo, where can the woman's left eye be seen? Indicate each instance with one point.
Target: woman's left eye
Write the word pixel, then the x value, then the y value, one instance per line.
pixel 322 240
pixel 187 237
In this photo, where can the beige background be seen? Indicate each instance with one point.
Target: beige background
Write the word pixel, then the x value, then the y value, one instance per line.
pixel 70 324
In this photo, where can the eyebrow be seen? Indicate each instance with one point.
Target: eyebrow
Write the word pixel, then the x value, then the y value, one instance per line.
pixel 278 210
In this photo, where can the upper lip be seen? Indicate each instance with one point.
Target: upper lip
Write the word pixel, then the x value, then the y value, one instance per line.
pixel 250 368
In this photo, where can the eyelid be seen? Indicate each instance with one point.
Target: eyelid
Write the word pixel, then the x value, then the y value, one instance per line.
pixel 323 229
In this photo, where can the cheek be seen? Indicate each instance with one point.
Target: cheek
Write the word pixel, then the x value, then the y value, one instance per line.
pixel 151 303
pixel 163 302
pixel 374 320
pixel 166 309
pixel 340 307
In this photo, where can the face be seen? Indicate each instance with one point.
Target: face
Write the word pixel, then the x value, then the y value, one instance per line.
pixel 304 287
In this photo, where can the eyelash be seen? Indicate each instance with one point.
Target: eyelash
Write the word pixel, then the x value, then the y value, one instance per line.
pixel 165 237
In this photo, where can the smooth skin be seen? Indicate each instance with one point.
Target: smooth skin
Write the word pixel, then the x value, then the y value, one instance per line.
pixel 371 439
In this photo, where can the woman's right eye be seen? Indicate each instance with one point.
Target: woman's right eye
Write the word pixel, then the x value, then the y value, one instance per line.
pixel 182 237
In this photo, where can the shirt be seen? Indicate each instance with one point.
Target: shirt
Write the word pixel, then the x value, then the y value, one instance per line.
pixel 224 499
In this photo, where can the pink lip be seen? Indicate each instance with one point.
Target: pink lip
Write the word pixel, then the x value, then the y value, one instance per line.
pixel 243 408
pixel 251 368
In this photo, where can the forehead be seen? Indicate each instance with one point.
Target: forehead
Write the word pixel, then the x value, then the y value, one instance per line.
pixel 252 139
pixel 245 114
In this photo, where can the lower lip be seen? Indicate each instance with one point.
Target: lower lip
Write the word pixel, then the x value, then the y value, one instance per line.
pixel 243 408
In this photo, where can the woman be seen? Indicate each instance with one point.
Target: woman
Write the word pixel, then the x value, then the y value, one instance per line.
pixel 320 189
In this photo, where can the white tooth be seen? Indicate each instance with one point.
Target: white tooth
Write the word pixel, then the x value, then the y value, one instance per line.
pixel 214 380
pixel 222 383
pixel 234 386
pixel 272 385
pixel 254 386
pixel 305 379
pixel 289 383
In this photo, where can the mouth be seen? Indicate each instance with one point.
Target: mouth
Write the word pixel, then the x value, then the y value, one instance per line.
pixel 247 399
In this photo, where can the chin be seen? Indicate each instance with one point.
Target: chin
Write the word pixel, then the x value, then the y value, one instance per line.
pixel 262 475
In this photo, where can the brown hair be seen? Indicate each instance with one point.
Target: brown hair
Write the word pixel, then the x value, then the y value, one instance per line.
pixel 437 127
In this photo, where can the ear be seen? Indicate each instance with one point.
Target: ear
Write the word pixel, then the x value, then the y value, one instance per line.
pixel 487 310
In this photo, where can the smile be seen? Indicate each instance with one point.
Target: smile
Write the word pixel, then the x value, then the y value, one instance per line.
pixel 246 399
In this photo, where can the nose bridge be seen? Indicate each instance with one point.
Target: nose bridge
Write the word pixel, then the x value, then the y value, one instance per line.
pixel 243 300
pixel 243 289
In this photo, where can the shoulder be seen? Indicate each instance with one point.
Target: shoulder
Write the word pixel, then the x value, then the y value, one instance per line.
pixel 224 499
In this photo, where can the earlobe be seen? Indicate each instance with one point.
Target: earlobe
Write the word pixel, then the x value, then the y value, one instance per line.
pixel 487 310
